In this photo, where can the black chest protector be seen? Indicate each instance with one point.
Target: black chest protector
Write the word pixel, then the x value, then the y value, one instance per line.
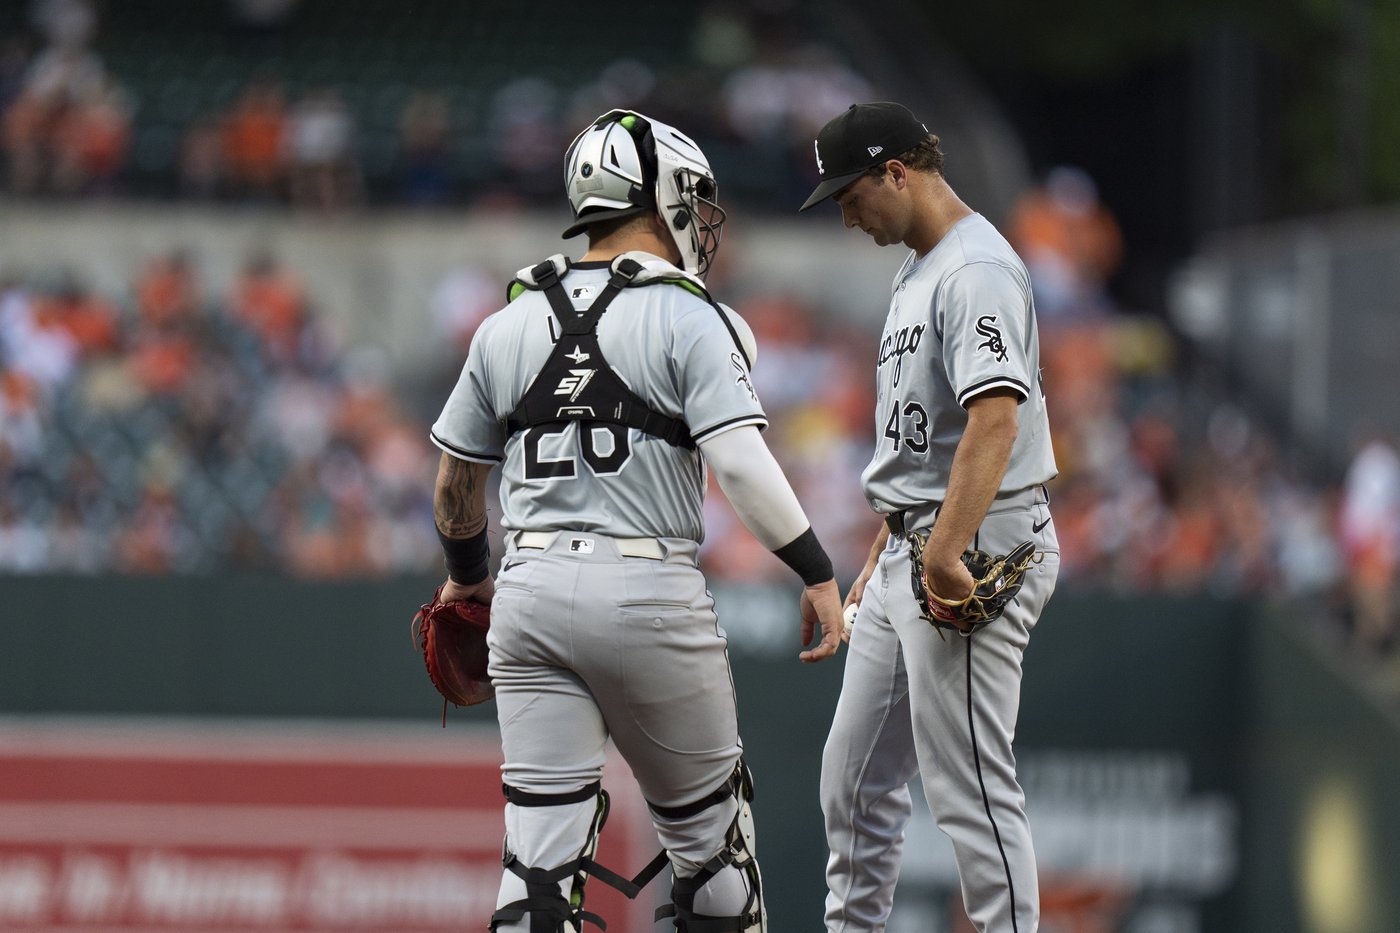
pixel 576 383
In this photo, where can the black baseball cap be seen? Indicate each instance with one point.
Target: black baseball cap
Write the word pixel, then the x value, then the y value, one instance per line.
pixel 863 136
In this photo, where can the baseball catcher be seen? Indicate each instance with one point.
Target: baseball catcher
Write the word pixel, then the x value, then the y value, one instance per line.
pixel 996 581
pixel 452 638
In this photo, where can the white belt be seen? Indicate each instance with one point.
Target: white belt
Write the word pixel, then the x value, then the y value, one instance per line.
pixel 649 548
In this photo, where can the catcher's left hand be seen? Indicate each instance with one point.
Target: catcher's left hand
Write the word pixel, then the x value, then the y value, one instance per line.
pixel 995 582
pixel 452 638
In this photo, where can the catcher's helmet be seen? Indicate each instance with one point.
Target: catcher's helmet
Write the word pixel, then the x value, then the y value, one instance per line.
pixel 625 163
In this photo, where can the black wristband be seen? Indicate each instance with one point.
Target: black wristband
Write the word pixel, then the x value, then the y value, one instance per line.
pixel 806 555
pixel 467 559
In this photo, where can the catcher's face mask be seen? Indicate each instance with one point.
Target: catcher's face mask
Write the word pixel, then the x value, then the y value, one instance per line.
pixel 626 163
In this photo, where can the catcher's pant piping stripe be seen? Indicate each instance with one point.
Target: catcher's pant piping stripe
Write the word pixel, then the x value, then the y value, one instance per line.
pixel 986 800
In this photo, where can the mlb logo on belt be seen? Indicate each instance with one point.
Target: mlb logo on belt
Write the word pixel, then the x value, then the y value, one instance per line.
pixel 581 545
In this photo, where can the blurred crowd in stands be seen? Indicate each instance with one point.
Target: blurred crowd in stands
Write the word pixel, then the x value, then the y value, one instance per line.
pixel 754 92
pixel 68 127
pixel 168 428
pixel 66 120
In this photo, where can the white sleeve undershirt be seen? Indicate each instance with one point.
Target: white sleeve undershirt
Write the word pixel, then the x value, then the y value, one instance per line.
pixel 755 485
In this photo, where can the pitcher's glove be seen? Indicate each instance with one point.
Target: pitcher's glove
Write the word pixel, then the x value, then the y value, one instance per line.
pixel 452 638
pixel 996 581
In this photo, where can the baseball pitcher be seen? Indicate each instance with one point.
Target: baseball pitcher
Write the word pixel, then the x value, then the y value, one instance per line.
pixel 968 556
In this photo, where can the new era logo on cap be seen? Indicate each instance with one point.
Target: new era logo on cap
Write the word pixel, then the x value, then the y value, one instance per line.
pixel 858 139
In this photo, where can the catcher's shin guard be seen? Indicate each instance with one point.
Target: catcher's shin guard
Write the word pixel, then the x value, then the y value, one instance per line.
pixel 726 894
pixel 552 898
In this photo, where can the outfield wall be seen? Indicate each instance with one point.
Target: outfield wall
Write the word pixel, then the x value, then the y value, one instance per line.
pixel 1191 766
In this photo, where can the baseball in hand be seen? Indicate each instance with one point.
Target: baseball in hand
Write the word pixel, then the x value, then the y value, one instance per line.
pixel 851 611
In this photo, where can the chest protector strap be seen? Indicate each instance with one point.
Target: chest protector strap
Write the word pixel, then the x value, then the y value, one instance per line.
pixel 576 383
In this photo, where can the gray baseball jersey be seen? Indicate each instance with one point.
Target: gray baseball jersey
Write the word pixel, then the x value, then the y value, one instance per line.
pixel 668 345
pixel 961 321
pixel 591 642
pixel 916 701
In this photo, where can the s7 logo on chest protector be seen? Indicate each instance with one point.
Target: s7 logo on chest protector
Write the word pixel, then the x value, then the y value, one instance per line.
pixel 987 327
pixel 572 384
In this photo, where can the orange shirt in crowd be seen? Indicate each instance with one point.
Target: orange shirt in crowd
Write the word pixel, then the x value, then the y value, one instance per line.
pixel 1089 241
pixel 165 292
pixel 253 137
pixel 97 136
pixel 91 322
pixel 271 303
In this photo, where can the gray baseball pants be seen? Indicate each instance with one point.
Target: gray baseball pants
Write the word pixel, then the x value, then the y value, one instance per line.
pixel 587 644
pixel 914 703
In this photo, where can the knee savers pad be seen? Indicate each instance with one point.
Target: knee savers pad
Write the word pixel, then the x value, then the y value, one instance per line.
pixel 726 894
pixel 553 897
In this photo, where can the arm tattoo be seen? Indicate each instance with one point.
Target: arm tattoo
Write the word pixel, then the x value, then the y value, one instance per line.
pixel 459 507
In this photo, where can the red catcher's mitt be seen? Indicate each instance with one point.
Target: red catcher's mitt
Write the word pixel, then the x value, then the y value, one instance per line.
pixel 452 637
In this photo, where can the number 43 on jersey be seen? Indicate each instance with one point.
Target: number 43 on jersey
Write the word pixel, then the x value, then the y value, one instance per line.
pixel 907 425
